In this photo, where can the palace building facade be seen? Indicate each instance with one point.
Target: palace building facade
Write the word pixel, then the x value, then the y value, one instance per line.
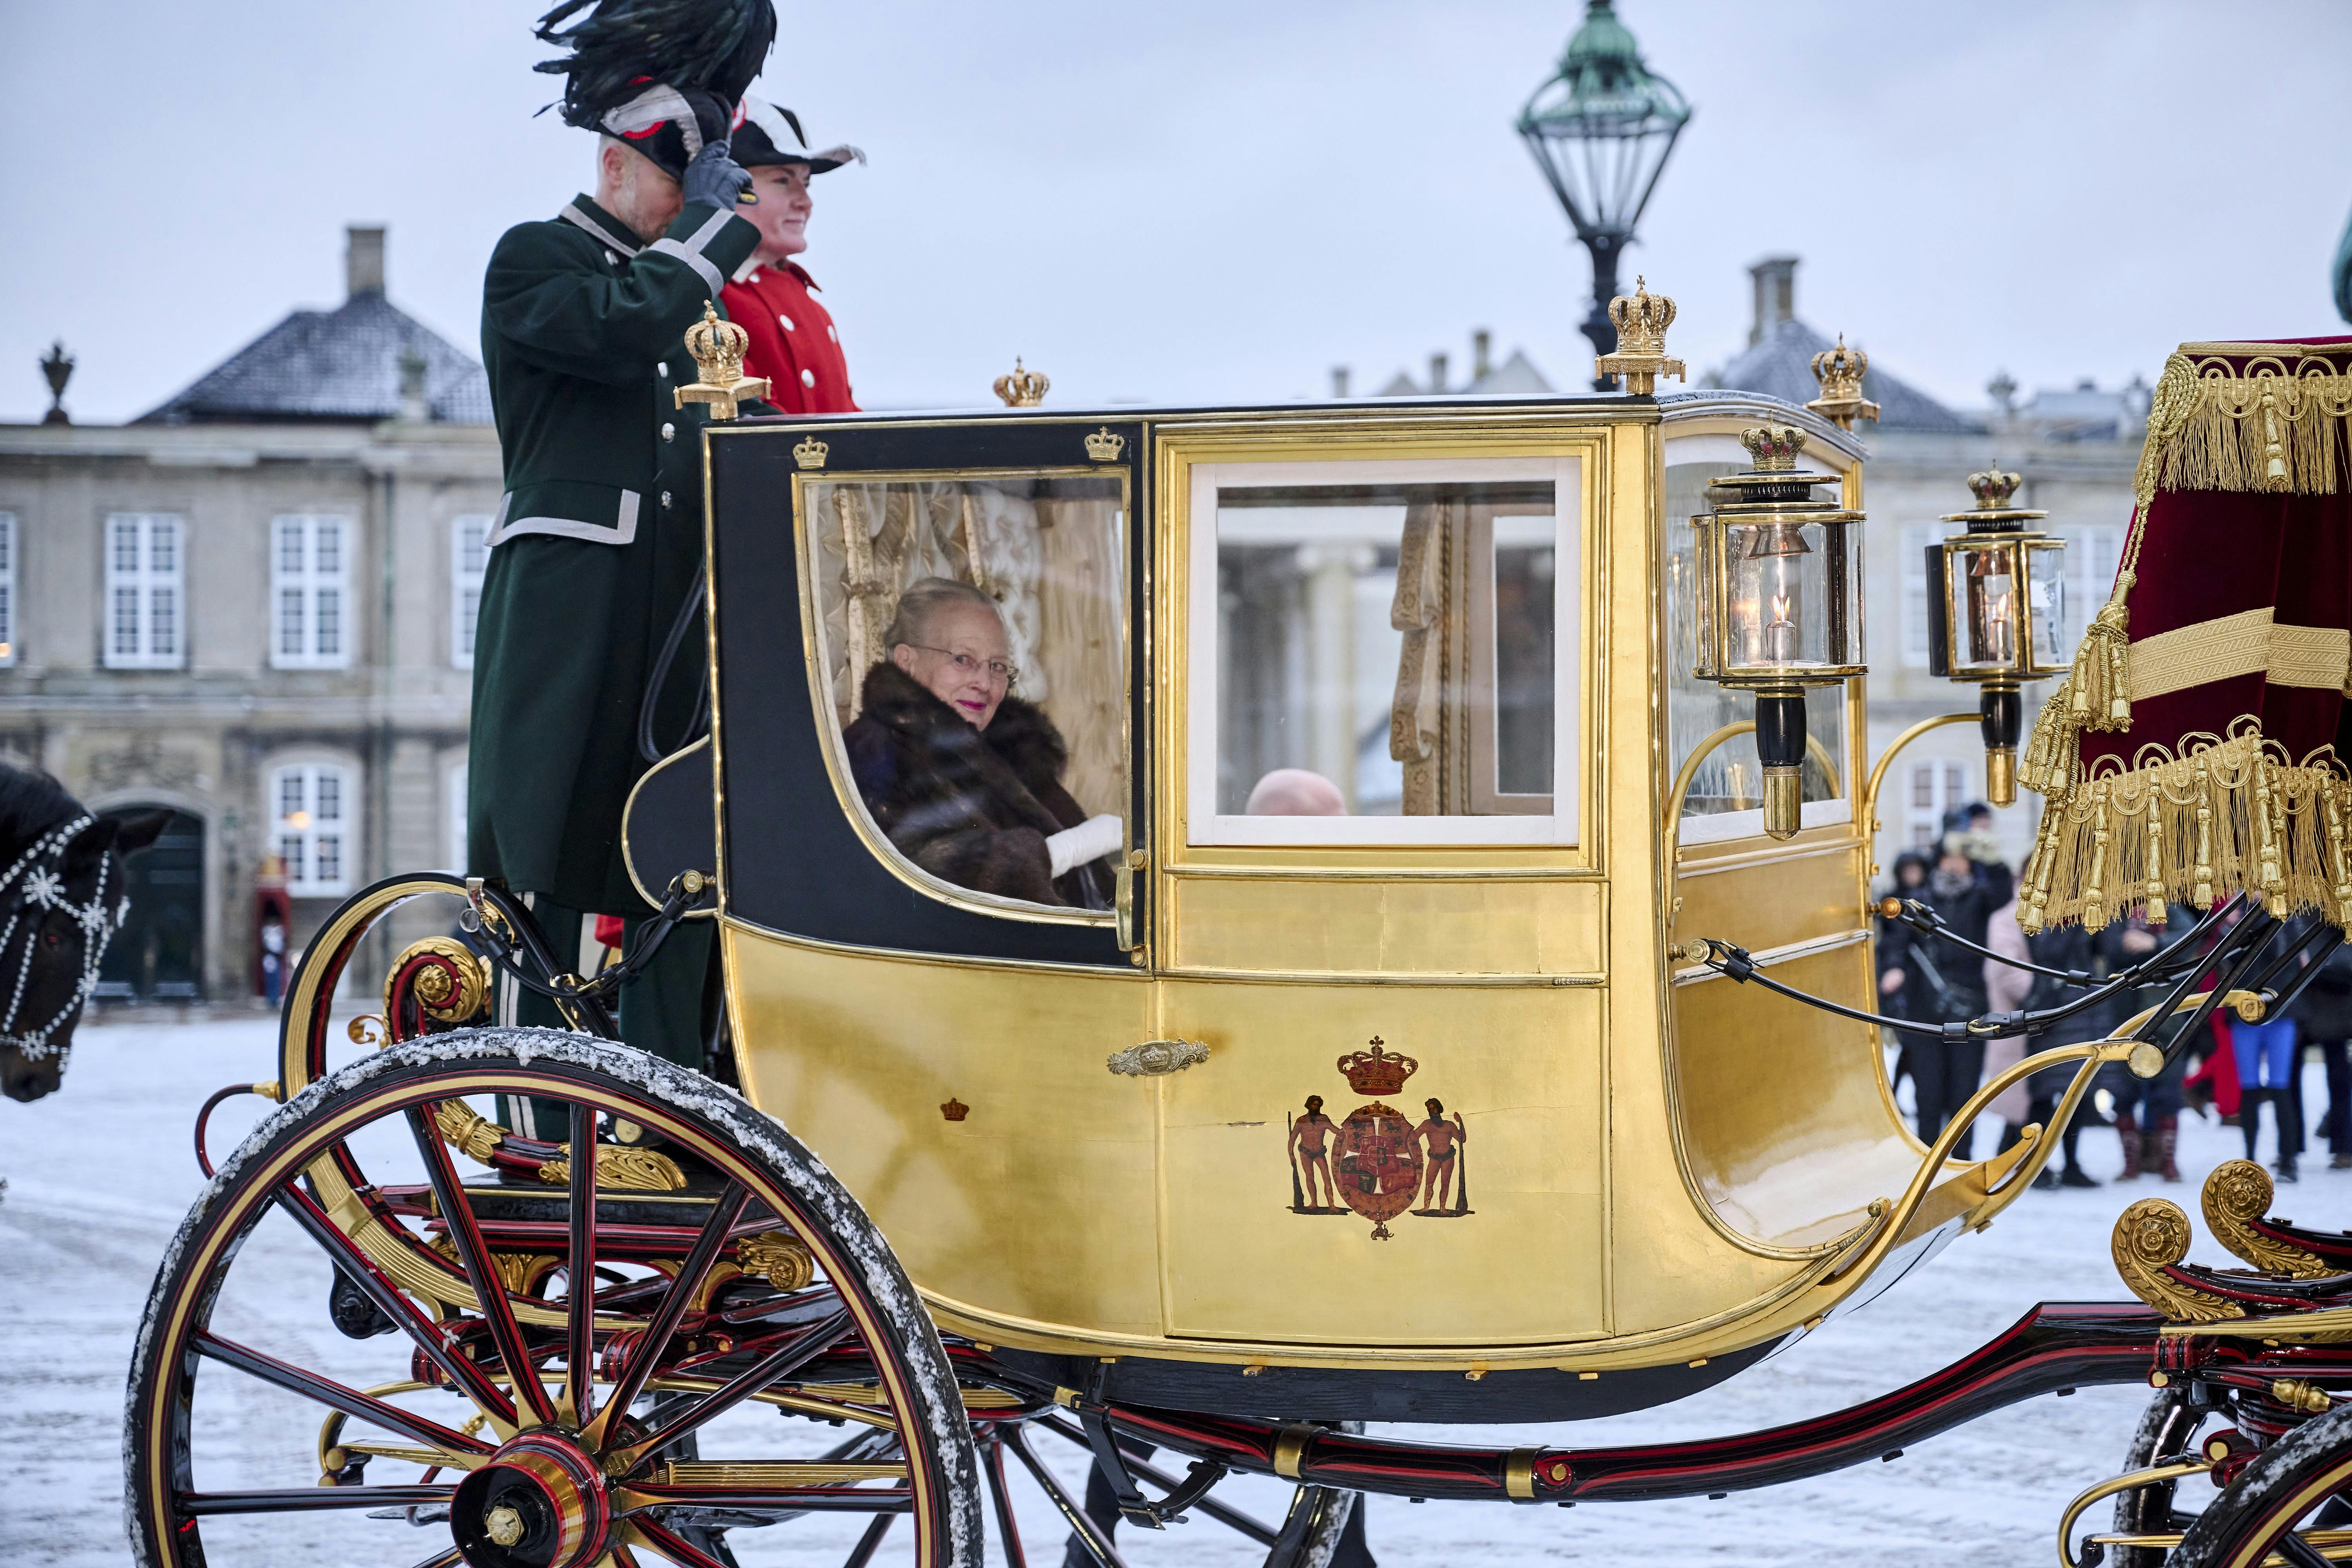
pixel 253 606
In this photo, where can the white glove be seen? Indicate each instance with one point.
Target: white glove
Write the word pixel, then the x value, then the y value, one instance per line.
pixel 1089 840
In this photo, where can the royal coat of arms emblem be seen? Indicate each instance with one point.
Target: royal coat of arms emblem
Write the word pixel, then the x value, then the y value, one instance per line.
pixel 1376 1161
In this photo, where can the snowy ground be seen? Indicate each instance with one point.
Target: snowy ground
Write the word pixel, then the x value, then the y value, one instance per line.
pixel 98 1176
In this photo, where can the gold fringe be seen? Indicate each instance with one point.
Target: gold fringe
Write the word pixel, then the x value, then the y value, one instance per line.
pixel 2225 815
pixel 2269 426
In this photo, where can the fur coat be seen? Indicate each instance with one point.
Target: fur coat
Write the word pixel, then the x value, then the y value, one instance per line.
pixel 971 806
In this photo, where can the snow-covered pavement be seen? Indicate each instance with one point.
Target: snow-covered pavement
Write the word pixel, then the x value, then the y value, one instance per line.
pixel 98 1176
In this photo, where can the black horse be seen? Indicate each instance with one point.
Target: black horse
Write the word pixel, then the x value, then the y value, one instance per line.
pixel 61 901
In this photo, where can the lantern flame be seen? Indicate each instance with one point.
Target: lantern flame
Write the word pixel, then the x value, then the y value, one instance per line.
pixel 1780 607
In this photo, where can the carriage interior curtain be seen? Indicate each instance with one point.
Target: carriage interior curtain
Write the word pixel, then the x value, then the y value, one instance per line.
pixel 2198 746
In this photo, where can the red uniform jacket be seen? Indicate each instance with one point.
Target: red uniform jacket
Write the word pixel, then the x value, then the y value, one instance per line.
pixel 792 342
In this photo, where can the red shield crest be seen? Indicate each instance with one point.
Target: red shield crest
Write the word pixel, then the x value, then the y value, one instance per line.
pixel 1380 1164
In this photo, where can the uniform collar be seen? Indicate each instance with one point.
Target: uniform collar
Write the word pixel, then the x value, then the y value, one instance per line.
pixel 752 270
pixel 585 212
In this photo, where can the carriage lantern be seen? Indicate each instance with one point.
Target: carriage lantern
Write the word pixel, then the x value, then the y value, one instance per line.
pixel 1996 615
pixel 1778 606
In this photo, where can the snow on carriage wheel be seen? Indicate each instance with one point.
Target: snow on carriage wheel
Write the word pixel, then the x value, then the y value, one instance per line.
pixel 2268 1511
pixel 747 1354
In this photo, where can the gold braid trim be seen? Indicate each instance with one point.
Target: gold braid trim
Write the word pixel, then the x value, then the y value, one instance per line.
pixel 2268 426
pixel 2225 815
pixel 2095 694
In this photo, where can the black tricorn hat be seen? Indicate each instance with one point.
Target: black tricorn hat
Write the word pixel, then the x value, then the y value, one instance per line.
pixel 770 133
pixel 666 75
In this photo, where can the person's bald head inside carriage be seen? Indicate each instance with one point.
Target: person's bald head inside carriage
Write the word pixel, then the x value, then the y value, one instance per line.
pixel 961 773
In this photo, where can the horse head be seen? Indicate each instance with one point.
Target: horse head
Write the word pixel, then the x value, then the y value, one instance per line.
pixel 62 899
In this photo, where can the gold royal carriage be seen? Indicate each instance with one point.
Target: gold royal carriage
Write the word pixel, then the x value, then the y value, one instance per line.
pixel 1453 1093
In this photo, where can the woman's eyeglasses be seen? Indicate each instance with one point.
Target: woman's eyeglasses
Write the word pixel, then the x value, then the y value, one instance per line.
pixel 968 665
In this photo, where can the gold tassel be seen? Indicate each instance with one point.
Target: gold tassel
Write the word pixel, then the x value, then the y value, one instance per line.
pixel 2273 883
pixel 2202 894
pixel 2159 910
pixel 2095 908
pixel 2332 795
pixel 2271 427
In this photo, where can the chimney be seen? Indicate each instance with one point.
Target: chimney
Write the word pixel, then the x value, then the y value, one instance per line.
pixel 1482 346
pixel 362 260
pixel 1436 373
pixel 413 366
pixel 1339 381
pixel 1776 295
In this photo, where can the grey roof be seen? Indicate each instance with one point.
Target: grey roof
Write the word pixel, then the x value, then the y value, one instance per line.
pixel 339 364
pixel 1516 376
pixel 1782 366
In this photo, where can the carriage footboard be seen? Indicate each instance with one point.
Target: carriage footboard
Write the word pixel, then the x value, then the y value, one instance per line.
pixel 2058 1346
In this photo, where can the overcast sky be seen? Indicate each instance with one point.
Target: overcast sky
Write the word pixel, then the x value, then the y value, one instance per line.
pixel 1221 200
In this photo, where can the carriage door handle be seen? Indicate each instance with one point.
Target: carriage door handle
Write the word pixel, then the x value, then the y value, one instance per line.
pixel 1157 1058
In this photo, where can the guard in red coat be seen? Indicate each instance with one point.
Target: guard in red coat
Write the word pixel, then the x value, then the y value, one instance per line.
pixel 792 340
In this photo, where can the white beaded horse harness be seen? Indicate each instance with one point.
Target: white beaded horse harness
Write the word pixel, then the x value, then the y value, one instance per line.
pixel 38 878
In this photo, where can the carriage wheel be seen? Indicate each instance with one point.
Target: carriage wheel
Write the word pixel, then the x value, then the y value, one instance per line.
pixel 553 1382
pixel 1307 1536
pixel 2268 1513
pixel 2166 1426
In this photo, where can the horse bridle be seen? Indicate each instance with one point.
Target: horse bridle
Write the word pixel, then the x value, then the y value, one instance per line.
pixel 38 884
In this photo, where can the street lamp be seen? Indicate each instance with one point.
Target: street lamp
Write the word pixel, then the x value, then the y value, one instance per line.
pixel 1600 130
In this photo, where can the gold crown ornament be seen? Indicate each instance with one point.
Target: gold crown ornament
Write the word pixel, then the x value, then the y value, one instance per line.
pixel 1641 319
pixel 1378 1072
pixel 1993 488
pixel 1105 445
pixel 718 350
pixel 1773 447
pixel 1840 371
pixel 1021 388
pixel 811 453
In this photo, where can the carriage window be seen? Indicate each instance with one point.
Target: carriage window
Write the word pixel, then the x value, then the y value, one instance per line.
pixel 1725 799
pixel 1384 652
pixel 974 649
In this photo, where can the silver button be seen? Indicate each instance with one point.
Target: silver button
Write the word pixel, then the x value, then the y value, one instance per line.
pixel 662 369
pixel 665 498
pixel 669 432
pixel 611 260
pixel 808 378
pixel 786 319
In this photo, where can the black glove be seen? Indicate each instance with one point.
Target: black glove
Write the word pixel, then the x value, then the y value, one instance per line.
pixel 715 177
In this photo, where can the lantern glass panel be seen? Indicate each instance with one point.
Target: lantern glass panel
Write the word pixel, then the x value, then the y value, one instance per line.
pixel 2045 603
pixel 1986 618
pixel 1787 602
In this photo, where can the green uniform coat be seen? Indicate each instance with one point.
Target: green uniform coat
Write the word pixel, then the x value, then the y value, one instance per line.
pixel 596 541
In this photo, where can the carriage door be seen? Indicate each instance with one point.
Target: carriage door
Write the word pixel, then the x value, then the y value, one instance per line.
pixel 1381 916
pixel 928 766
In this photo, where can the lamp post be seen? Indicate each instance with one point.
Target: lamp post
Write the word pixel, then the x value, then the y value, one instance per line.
pixel 1600 130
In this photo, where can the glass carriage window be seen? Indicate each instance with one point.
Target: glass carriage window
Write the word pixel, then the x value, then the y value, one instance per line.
pixel 1725 799
pixel 989 609
pixel 1381 652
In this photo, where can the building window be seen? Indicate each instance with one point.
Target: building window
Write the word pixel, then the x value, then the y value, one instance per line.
pixel 455 817
pixel 1923 807
pixel 144 591
pixel 311 804
pixel 1915 539
pixel 310 592
pixel 469 557
pixel 8 587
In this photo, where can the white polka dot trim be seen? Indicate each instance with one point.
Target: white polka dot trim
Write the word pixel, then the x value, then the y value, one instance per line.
pixel 786 319
pixel 833 335
pixel 808 378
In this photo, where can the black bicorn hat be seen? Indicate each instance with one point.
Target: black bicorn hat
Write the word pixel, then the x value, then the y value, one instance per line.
pixel 770 133
pixel 667 75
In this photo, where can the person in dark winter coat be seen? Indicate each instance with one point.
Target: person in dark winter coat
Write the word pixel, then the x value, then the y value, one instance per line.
pixel 2325 1010
pixel 2148 1110
pixel 963 777
pixel 1964 891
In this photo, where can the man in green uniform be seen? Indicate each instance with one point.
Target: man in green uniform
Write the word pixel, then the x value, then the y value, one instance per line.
pixel 599 537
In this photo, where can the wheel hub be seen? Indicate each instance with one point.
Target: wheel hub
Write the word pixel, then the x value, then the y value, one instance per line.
pixel 538 1502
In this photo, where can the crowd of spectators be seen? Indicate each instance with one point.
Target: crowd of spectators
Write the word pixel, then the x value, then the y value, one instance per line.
pixel 2229 1069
